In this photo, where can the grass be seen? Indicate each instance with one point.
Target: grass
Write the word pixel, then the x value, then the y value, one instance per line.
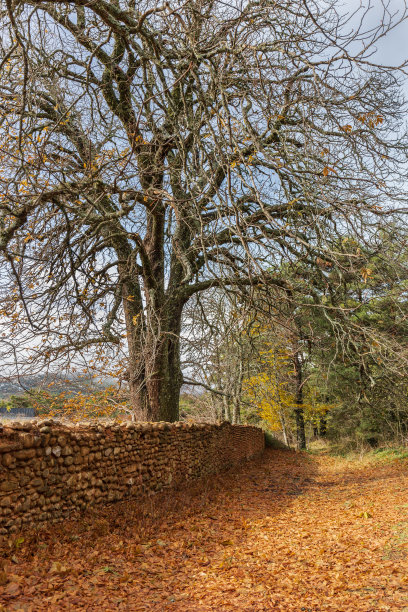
pixel 352 451
pixel 389 453
pixel 272 442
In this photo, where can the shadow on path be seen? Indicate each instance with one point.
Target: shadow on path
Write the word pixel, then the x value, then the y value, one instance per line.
pixel 148 554
pixel 285 533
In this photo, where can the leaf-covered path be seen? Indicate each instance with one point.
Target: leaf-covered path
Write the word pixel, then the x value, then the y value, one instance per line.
pixel 289 532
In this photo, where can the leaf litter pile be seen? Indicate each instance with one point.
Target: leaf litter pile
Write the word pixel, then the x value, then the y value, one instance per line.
pixel 287 532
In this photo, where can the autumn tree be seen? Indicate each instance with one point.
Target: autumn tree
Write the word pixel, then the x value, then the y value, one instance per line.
pixel 150 152
pixel 326 341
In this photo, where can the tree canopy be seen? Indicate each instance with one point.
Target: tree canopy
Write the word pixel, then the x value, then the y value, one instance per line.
pixel 150 152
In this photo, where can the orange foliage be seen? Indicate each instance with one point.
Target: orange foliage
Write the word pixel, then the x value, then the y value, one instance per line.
pixel 282 534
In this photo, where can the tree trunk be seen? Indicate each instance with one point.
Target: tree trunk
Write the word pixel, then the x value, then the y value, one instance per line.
pixel 299 415
pixel 136 368
pixel 300 429
pixel 323 426
pixel 236 417
pixel 162 358
pixel 236 400
pixel 136 376
pixel 226 409
pixel 155 376
pixel 164 382
pixel 283 425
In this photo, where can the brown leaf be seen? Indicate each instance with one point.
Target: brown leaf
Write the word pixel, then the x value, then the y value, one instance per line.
pixel 58 568
pixel 12 589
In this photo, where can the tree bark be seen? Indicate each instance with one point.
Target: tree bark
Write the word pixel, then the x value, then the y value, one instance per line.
pixel 299 415
pixel 283 425
pixel 323 426
pixel 134 321
pixel 155 376
pixel 164 382
pixel 237 392
pixel 155 396
pixel 300 429
pixel 162 363
pixel 226 409
pixel 236 417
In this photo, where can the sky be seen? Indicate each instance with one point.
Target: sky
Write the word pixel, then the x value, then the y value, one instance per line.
pixel 392 49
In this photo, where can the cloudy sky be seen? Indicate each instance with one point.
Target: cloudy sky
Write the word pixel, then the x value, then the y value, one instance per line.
pixel 392 49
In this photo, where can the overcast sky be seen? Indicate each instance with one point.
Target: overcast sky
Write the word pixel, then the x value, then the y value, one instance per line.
pixel 392 48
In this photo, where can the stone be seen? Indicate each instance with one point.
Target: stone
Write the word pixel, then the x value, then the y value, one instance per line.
pixel 9 485
pixel 17 426
pixel 28 453
pixel 28 440
pixel 123 461
pixel 5 502
pixel 8 460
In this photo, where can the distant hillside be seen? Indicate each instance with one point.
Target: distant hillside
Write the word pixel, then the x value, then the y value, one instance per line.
pixel 55 384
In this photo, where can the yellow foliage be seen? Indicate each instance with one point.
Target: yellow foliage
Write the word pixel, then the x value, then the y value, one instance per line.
pixel 268 390
pixel 272 391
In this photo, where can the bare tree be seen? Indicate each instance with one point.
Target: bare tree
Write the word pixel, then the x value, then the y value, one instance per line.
pixel 150 152
pixel 219 348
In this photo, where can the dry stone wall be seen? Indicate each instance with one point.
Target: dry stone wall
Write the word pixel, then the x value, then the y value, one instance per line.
pixel 48 470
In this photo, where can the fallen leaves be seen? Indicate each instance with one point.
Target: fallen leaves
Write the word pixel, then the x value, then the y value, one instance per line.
pixel 227 543
pixel 58 568
pixel 12 589
pixel 285 533
pixel 365 515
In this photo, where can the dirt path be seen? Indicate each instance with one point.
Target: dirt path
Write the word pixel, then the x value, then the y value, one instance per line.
pixel 287 533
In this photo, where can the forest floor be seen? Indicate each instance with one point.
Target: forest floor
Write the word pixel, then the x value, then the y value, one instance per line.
pixel 288 532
